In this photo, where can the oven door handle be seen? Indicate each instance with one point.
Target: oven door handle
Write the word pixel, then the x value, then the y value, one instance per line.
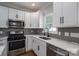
pixel 16 40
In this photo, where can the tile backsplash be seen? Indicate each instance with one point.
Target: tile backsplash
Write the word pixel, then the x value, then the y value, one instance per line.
pixel 27 31
pixel 69 34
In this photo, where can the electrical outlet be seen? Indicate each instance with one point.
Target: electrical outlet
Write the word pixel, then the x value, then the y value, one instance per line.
pixel 59 33
pixel 31 30
pixel 1 32
pixel 38 30
pixel 66 33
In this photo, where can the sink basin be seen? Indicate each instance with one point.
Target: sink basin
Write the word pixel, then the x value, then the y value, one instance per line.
pixel 45 38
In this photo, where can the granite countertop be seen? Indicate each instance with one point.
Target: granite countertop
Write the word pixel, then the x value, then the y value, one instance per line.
pixel 66 45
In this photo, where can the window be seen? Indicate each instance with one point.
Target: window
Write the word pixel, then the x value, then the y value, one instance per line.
pixel 49 21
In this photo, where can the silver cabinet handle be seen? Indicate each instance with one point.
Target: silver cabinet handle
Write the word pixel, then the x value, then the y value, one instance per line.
pixel 38 25
pixel 33 41
pixel 30 25
pixel 38 47
pixel 63 19
pixel 60 20
pixel 16 16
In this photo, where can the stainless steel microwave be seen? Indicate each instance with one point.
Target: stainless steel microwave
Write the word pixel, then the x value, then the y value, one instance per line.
pixel 15 24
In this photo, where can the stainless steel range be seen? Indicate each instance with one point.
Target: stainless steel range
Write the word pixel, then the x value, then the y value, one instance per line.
pixel 16 38
pixel 16 41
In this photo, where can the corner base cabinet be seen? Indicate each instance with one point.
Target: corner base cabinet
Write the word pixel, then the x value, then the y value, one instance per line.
pixel 28 43
pixel 39 47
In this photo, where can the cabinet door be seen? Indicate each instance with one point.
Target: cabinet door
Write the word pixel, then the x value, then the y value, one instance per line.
pixel 3 17
pixel 57 14
pixel 35 46
pixel 29 39
pixel 69 14
pixel 32 22
pixel 41 21
pixel 13 14
pixel 20 15
pixel 35 20
pixel 41 48
pixel 27 20
pixel 78 13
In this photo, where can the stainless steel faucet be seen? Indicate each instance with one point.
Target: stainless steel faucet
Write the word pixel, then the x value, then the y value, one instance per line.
pixel 46 32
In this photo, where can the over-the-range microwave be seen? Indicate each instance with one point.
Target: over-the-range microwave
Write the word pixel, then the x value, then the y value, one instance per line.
pixel 15 23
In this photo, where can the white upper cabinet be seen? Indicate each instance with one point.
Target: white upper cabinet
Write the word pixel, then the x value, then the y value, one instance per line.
pixel 13 14
pixel 27 19
pixel 3 17
pixel 35 20
pixel 21 15
pixel 41 21
pixel 69 14
pixel 32 20
pixel 57 14
pixel 65 14
pixel 35 45
pixel 78 13
pixel 16 14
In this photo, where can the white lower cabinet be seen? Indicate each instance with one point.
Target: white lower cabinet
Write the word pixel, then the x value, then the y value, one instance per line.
pixel 28 43
pixel 39 47
pixel 34 46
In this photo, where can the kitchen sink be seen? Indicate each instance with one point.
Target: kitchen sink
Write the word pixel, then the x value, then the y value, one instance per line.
pixel 45 38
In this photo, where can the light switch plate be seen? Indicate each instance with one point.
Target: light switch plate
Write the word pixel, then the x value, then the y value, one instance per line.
pixel 66 33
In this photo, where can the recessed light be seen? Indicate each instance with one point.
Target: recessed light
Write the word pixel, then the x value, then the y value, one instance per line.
pixel 33 4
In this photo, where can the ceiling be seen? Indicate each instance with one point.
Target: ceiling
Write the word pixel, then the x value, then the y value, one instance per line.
pixel 28 5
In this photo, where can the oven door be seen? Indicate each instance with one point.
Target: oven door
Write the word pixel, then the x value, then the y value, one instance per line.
pixel 13 45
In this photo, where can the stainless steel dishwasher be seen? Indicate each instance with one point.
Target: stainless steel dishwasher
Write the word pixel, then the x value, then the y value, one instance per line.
pixel 56 51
